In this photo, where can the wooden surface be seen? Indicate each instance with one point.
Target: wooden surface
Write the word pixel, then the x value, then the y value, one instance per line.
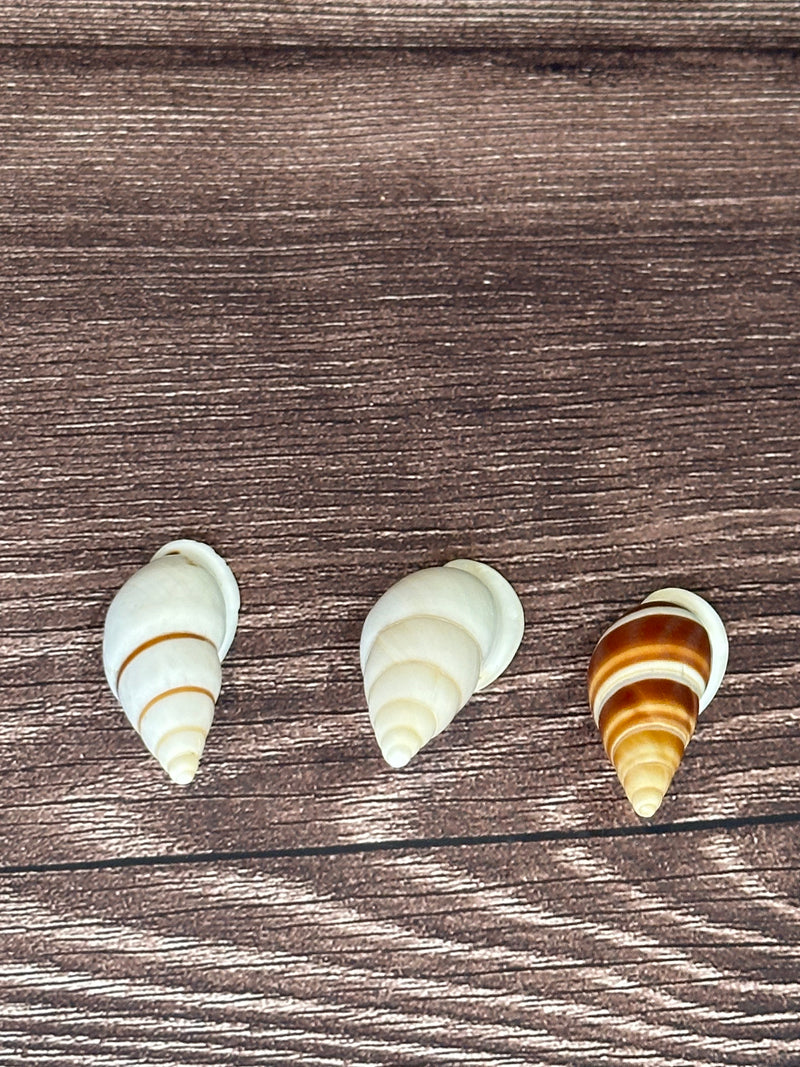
pixel 536 24
pixel 347 312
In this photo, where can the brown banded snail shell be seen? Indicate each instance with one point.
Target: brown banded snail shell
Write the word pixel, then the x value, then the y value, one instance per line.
pixel 650 676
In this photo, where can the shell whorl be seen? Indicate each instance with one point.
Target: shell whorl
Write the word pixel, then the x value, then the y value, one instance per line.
pixel 431 641
pixel 166 633
pixel 650 676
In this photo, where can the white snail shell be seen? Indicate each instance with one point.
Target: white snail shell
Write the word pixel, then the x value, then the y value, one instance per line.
pixel 166 633
pixel 650 676
pixel 431 641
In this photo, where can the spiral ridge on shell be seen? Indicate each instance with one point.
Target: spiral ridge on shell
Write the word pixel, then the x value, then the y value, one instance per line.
pixel 431 641
pixel 650 676
pixel 166 633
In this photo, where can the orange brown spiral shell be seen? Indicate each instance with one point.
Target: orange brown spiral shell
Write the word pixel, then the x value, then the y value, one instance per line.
pixel 646 678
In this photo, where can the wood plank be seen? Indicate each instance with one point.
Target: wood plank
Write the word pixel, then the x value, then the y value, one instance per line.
pixel 348 316
pixel 680 949
pixel 540 24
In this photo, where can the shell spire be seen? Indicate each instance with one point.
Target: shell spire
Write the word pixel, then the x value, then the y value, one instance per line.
pixel 431 641
pixel 166 633
pixel 650 676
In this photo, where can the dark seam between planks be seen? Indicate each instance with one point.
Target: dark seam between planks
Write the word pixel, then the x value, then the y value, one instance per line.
pixel 542 58
pixel 431 843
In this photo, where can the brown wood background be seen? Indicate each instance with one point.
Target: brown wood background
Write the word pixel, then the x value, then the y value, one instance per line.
pixel 279 277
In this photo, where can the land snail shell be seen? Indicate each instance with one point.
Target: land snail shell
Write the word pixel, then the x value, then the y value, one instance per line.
pixel 431 641
pixel 651 675
pixel 166 633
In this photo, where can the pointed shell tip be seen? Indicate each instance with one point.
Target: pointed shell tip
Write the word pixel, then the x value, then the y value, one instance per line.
pixel 397 756
pixel 183 768
pixel 646 803
pixel 399 745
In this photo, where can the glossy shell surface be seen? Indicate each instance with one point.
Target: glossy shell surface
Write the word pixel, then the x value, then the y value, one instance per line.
pixel 431 641
pixel 166 633
pixel 650 676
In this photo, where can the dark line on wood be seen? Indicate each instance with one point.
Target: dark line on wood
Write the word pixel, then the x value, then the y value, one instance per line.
pixel 400 845
pixel 558 58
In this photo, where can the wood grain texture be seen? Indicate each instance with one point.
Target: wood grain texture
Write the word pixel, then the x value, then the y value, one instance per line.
pixel 684 952
pixel 343 314
pixel 343 321
pixel 540 24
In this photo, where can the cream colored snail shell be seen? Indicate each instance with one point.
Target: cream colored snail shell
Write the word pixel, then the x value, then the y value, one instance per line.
pixel 431 641
pixel 166 633
pixel 651 675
